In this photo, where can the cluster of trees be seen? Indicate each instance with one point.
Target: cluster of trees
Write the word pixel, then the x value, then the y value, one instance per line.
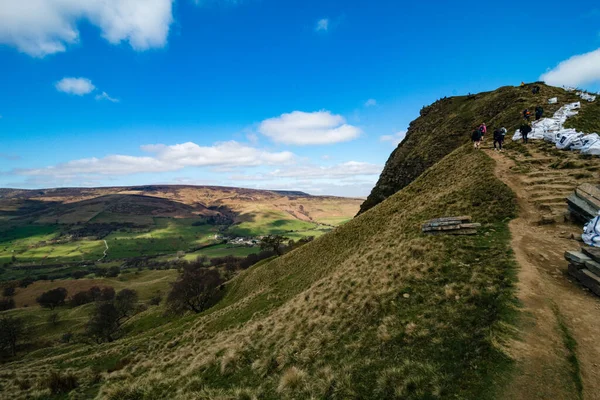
pixel 99 230
pixel 91 295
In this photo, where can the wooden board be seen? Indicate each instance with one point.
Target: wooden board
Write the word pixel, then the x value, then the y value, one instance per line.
pixel 592 191
pixel 576 257
pixel 592 252
pixel 462 218
pixel 582 207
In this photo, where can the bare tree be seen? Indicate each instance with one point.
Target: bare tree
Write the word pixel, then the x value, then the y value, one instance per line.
pixel 273 243
pixel 195 290
pixel 12 331
pixel 108 317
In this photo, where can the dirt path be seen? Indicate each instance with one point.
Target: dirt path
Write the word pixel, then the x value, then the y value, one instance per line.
pixel 558 353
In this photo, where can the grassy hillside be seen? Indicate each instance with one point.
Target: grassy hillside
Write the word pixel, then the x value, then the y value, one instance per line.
pixel 374 309
pixel 447 124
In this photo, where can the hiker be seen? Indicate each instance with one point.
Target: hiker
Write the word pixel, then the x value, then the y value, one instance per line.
pixel 476 137
pixel 483 129
pixel 539 111
pixel 525 130
pixel 499 135
pixel 526 114
pixel 535 90
pixel 522 84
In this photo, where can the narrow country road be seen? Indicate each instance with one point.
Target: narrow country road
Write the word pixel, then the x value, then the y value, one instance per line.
pixel 105 251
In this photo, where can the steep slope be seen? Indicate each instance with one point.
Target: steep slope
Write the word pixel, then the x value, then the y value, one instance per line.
pixel 447 124
pixel 374 309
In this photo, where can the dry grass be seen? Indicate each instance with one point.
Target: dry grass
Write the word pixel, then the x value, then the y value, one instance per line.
pixel 372 307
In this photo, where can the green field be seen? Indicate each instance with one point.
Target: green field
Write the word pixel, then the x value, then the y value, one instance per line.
pixel 222 250
pixel 268 223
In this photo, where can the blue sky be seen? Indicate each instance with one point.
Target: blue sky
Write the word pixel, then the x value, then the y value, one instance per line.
pixel 310 95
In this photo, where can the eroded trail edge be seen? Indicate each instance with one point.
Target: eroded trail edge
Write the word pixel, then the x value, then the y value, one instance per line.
pixel 558 348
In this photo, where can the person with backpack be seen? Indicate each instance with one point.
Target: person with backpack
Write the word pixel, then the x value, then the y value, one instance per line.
pixel 526 114
pixel 476 137
pixel 525 129
pixel 483 129
pixel 499 135
pixel 539 112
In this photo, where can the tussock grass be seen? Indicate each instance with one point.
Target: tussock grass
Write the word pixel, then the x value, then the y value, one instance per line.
pixel 374 306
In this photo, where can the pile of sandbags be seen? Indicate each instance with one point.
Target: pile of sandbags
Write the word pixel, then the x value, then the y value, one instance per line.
pixel 584 266
pixel 450 226
pixel 584 203
pixel 586 96
pixel 552 129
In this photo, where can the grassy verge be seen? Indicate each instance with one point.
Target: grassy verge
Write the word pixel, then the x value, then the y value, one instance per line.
pixel 571 347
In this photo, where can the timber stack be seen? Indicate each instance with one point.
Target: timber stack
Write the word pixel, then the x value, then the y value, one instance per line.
pixel 450 226
pixel 584 266
pixel 584 203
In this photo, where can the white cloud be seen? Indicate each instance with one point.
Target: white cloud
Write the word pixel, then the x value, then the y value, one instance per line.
pixel 371 103
pixel 76 86
pixel 577 70
pixel 42 27
pixel 301 128
pixel 225 154
pixel 395 139
pixel 252 138
pixel 347 169
pixel 166 158
pixel 322 25
pixel 105 96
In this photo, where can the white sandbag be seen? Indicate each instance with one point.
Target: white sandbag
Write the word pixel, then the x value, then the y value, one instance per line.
pixel 517 135
pixel 553 100
pixel 566 140
pixel 584 142
pixel 586 96
pixel 593 149
pixel 591 232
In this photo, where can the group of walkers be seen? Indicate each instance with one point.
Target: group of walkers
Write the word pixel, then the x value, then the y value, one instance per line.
pixel 479 133
pixel 500 133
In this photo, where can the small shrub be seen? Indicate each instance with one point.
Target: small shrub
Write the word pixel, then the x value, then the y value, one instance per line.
pixel 7 303
pixel 61 384
pixel 66 337
pixel 53 319
pixel 8 291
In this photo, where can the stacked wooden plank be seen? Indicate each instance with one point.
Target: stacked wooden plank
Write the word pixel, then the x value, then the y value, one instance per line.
pixel 584 266
pixel 584 204
pixel 450 226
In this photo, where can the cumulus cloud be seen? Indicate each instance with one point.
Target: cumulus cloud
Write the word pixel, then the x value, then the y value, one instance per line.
pixel 76 86
pixel 165 158
pixel 322 25
pixel 394 139
pixel 577 70
pixel 371 103
pixel 105 96
pixel 42 27
pixel 301 128
pixel 347 169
